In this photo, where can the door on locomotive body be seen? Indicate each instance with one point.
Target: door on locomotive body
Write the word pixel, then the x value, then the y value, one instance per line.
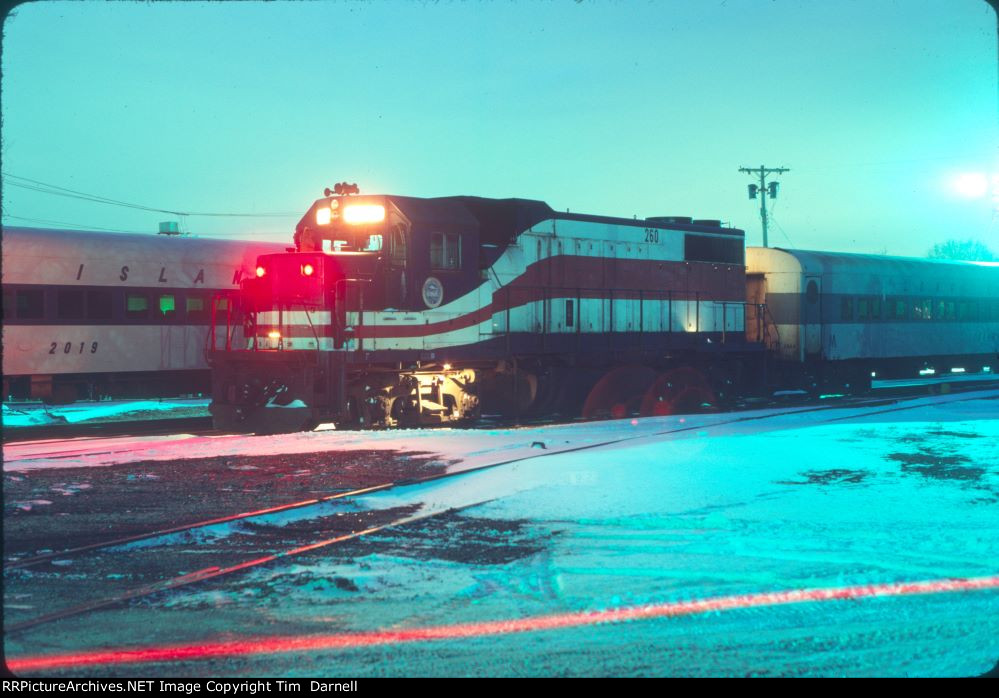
pixel 562 299
pixel 394 270
pixel 552 313
pixel 608 318
pixel 533 300
pixel 811 316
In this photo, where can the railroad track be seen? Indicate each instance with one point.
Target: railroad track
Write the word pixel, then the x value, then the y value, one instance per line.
pixel 203 425
pixel 209 573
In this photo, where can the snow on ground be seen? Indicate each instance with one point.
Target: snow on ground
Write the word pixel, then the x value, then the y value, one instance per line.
pixel 21 416
pixel 25 414
pixel 989 377
pixel 464 448
pixel 897 497
pixel 732 504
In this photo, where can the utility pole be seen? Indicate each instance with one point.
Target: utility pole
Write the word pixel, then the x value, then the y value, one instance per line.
pixel 764 190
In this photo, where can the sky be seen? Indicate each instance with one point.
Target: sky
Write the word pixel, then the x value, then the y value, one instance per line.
pixel 886 112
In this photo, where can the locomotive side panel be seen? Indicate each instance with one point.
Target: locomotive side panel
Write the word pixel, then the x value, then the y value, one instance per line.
pixel 616 287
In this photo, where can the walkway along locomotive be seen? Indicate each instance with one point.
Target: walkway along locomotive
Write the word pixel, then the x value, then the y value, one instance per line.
pixel 400 310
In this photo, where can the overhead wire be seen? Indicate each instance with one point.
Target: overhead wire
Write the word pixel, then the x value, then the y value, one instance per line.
pixel 105 229
pixel 780 227
pixel 56 190
pixel 67 224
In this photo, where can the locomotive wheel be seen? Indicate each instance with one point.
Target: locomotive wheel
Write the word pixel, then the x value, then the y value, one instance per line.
pixel 619 393
pixel 679 390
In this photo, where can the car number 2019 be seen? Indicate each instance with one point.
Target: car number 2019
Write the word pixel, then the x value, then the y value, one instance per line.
pixel 69 347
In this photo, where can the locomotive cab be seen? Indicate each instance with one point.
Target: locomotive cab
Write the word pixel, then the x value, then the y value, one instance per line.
pixel 427 250
pixel 359 262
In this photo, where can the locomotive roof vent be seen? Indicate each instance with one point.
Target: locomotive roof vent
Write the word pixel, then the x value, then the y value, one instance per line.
pixel 709 222
pixel 670 220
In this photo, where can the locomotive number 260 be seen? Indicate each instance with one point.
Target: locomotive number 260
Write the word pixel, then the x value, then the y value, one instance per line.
pixel 68 347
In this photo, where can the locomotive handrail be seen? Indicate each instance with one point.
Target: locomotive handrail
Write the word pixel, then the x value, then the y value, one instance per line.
pixel 773 324
pixel 212 338
pixel 313 328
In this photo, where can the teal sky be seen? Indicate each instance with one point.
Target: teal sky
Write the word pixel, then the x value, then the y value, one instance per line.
pixel 617 108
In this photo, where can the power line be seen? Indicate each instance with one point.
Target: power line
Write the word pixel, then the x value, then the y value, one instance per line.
pixel 55 190
pixel 83 227
pixel 773 219
pixel 68 224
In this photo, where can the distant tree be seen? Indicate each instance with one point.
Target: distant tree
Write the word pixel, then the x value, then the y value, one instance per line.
pixel 967 250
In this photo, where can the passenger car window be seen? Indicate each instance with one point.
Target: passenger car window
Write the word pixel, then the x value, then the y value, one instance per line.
pixel 167 306
pixel 195 308
pixel 136 306
pixel 846 309
pixel 69 304
pixel 99 304
pixel 30 304
pixel 812 291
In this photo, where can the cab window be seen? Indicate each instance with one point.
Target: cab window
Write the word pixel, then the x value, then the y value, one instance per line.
pixel 397 247
pixel 445 251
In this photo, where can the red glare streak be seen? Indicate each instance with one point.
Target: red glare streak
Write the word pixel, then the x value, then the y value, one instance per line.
pixel 272 645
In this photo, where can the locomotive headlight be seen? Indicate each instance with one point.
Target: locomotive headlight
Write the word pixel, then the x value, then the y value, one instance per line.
pixel 323 216
pixel 274 334
pixel 308 269
pixel 356 214
pixel 260 272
